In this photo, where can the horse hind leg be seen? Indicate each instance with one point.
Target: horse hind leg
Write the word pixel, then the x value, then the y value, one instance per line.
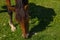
pixel 8 4
pixel 11 22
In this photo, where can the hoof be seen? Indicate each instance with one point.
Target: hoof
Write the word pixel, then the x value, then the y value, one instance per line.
pixel 13 29
pixel 27 35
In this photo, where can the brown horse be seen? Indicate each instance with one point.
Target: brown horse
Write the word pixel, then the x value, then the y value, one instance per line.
pixel 22 17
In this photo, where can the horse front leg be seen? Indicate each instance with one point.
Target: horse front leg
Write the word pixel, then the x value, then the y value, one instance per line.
pixel 26 20
pixel 10 15
pixel 24 27
pixel 22 19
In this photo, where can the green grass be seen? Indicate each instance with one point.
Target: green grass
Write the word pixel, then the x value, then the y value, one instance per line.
pixel 44 21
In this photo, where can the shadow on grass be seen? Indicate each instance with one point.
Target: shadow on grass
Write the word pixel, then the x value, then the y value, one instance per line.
pixel 44 15
pixel 4 9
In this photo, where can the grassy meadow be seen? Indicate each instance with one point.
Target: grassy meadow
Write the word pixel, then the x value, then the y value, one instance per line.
pixel 44 22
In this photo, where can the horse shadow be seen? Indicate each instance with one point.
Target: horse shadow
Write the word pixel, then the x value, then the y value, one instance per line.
pixel 44 15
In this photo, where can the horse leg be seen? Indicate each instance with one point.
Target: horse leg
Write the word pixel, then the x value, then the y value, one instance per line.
pixel 10 15
pixel 22 18
pixel 26 20
pixel 11 22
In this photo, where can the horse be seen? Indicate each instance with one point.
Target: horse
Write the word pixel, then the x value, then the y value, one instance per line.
pixel 21 15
